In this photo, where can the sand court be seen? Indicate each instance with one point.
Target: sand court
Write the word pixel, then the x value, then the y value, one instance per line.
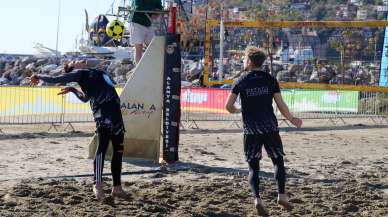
pixel 331 172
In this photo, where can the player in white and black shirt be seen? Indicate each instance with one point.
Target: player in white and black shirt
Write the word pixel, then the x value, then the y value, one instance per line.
pixel 257 89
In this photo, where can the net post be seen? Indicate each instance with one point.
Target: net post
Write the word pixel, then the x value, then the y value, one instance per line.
pixel 171 92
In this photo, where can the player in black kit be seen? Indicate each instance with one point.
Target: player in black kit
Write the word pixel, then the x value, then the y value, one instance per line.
pixel 257 89
pixel 98 89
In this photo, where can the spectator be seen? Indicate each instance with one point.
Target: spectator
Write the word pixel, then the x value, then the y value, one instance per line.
pixel 195 70
pixel 141 29
pixel 306 73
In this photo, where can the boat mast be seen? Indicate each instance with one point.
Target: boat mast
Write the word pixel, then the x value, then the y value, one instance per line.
pixel 58 22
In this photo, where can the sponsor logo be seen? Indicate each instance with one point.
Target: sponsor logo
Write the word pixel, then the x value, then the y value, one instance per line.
pixel 257 91
pixel 331 97
pixel 171 48
pixel 194 97
pixel 131 108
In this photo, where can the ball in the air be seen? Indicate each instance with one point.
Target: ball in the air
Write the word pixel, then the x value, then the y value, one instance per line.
pixel 115 29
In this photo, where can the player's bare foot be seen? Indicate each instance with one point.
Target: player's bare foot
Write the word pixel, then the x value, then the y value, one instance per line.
pixel 283 201
pixel 261 210
pixel 98 192
pixel 117 191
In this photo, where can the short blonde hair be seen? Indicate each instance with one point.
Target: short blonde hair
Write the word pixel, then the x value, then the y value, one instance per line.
pixel 256 55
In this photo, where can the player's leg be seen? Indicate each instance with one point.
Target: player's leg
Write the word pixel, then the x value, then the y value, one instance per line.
pixel 252 149
pixel 138 52
pixel 274 147
pixel 149 35
pixel 116 164
pixel 138 34
pixel 103 142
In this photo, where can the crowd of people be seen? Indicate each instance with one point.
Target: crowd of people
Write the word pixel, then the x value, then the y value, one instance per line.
pixel 320 71
pixel 324 72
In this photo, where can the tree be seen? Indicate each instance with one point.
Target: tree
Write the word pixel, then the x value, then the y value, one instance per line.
pixel 319 13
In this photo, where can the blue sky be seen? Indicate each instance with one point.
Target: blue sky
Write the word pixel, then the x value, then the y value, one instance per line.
pixel 24 22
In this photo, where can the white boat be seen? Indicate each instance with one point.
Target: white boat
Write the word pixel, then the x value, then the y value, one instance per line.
pixel 117 53
pixel 43 51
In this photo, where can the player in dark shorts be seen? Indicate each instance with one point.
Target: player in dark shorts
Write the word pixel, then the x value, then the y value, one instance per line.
pixel 257 89
pixel 98 88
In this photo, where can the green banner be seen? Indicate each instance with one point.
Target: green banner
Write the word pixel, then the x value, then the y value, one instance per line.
pixel 321 100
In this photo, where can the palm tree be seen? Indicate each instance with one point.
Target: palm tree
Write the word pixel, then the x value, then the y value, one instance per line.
pixel 346 45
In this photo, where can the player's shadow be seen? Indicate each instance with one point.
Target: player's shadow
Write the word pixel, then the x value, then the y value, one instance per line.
pixel 206 169
pixel 160 171
pixel 40 135
pixel 156 170
pixel 163 170
pixel 210 131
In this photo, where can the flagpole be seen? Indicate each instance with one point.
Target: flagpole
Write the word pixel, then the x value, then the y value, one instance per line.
pixel 58 22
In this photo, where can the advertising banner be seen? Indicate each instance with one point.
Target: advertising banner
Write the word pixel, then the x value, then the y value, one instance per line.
pixel 321 100
pixel 207 100
pixel 383 82
pixel 204 100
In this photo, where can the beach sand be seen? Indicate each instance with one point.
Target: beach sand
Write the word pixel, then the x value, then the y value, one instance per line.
pixel 340 171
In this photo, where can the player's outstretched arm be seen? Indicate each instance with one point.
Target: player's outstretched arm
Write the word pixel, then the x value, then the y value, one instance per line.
pixel 80 95
pixel 74 76
pixel 283 108
pixel 66 78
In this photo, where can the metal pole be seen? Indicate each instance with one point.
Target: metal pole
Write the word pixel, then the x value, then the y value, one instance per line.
pixel 375 39
pixel 207 8
pixel 222 36
pixel 58 22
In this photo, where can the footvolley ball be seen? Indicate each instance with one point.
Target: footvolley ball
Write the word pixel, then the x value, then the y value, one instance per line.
pixel 115 29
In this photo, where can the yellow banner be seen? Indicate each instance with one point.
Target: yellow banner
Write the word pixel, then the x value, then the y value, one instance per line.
pixel 16 101
pixel 29 100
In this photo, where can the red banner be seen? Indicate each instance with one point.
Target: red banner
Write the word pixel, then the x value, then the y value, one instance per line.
pixel 172 20
pixel 204 100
